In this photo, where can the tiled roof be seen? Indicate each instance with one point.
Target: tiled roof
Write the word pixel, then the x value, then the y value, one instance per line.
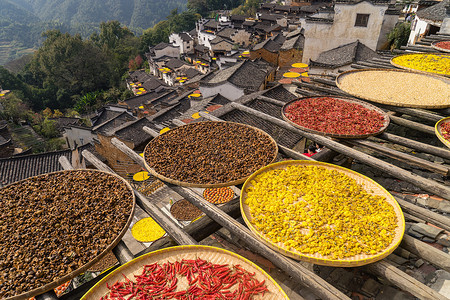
pixel 16 168
pixel 248 23
pixel 175 63
pixel 161 46
pixel 133 132
pixel 105 115
pixel 278 38
pixel 279 134
pixel 344 55
pixel 191 72
pixel 218 40
pixel 280 93
pixel 269 17
pixel 226 32
pixel 185 37
pixel 297 42
pixel 268 45
pixel 201 48
pixel 293 33
pixel 153 83
pixel 113 123
pixel 139 100
pixel 219 99
pixel 237 18
pixel 211 24
pixel 436 12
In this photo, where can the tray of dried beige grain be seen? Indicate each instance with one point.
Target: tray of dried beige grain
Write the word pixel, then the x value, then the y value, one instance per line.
pixel 397 87
pixel 188 272
pixel 437 63
pixel 55 226
pixel 322 213
pixel 209 154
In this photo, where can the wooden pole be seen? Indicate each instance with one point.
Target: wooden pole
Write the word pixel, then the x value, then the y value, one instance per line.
pixel 429 253
pixel 429 216
pixel 424 183
pixel 406 283
pixel 65 163
pixel 169 226
pixel 411 124
pixel 422 147
pixel 409 159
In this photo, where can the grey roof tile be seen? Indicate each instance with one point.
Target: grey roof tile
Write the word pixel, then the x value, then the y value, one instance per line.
pixel 436 12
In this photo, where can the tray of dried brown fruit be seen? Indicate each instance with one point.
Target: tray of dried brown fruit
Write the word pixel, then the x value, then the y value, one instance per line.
pixel 209 154
pixel 335 117
pixel 188 272
pixel 55 226
pixel 395 87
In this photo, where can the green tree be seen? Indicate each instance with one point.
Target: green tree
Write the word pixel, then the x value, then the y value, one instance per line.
pixel 399 35
pixel 14 108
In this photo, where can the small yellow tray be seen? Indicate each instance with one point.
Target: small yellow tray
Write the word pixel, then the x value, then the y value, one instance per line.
pixel 437 130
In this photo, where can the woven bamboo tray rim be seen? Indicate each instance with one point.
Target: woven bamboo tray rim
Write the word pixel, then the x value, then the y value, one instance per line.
pixel 437 130
pixel 353 261
pixel 212 254
pixel 340 77
pixel 418 70
pixel 208 185
pixel 339 136
pixel 433 45
pixel 67 277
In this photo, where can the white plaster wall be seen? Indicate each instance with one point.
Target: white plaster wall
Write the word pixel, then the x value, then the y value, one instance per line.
pixel 445 27
pixel 227 90
pixel 184 46
pixel 418 27
pixel 79 136
pixel 388 23
pixel 321 37
pixel 204 38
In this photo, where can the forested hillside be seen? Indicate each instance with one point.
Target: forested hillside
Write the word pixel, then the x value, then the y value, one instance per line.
pixel 23 21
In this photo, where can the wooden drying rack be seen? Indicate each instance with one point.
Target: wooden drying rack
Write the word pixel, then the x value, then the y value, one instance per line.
pixel 226 214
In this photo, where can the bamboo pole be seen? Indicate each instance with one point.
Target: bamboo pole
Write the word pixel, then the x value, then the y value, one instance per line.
pixel 65 163
pixel 410 159
pixel 406 283
pixel 169 226
pixel 429 253
pixel 422 147
pixel 424 183
pixel 411 124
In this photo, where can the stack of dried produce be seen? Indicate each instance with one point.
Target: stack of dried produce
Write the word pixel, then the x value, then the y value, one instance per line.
pixel 334 116
pixel 54 224
pixel 210 153
pixel 189 279
pixel 184 210
pixel 433 63
pixel 218 195
pixel 315 210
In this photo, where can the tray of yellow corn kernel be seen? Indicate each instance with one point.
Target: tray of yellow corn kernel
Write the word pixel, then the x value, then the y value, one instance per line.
pixel 437 63
pixel 322 213
pixel 442 130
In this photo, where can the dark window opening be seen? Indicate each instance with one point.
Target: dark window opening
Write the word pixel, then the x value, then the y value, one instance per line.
pixel 362 20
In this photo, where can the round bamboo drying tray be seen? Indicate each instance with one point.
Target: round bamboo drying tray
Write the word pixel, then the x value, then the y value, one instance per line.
pixel 340 136
pixel 207 185
pixel 67 277
pixel 437 130
pixel 434 46
pixel 392 61
pixel 211 254
pixel 429 91
pixel 353 261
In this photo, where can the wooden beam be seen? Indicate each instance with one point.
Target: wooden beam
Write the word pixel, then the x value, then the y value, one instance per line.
pixel 422 147
pixel 423 213
pixel 420 113
pixel 161 218
pixel 407 158
pixel 424 183
pixel 413 125
pixel 429 253
pixel 402 280
pixel 65 163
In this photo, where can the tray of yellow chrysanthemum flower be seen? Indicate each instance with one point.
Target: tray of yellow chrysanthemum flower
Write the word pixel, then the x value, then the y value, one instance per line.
pixel 322 213
pixel 437 63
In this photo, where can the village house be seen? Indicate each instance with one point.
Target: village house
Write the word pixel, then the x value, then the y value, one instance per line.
pixel 238 36
pixel 243 78
pixel 340 58
pixel 163 49
pixel 367 21
pixel 183 40
pixel 430 20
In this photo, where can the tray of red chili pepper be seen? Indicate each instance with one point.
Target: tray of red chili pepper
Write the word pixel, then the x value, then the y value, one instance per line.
pixel 442 130
pixel 187 272
pixel 335 117
pixel 443 46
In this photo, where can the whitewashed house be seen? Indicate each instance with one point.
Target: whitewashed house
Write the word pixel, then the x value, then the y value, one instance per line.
pixel 430 20
pixel 183 40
